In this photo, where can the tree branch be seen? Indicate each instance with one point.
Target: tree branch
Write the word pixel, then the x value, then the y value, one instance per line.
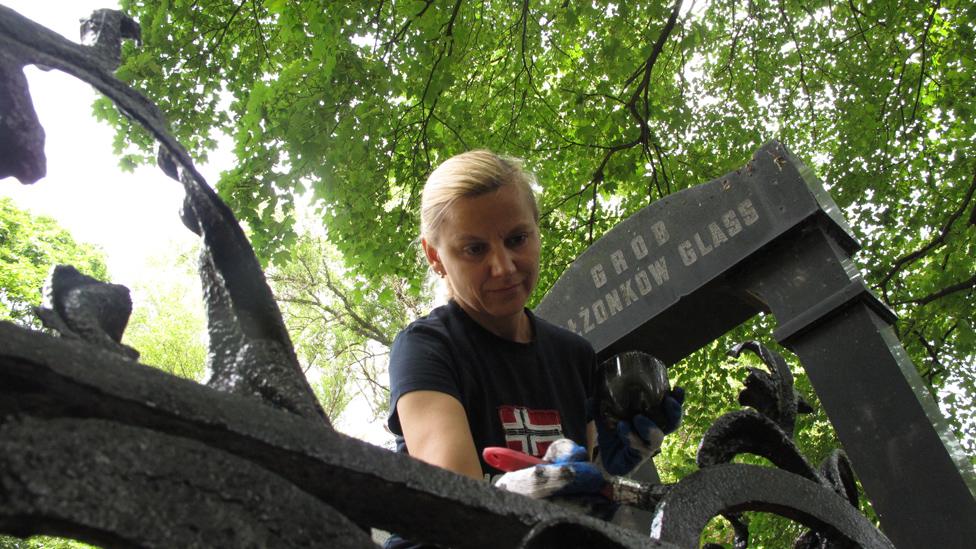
pixel 366 328
pixel 937 241
pixel 450 22
pixel 935 366
pixel 347 315
pixel 525 23
pixel 460 139
pixel 223 31
pixel 788 23
pixel 597 175
pixel 948 290
pixel 732 52
pixel 260 31
pixel 921 70
pixel 388 45
pixel 860 29
pixel 648 66
pixel 597 179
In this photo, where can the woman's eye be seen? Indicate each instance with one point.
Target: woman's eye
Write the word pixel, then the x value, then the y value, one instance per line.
pixel 474 249
pixel 517 239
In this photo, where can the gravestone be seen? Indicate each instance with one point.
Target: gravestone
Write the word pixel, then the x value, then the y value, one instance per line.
pixel 768 238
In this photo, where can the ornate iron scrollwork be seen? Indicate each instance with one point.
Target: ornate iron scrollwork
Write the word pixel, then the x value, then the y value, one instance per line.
pixel 823 499
pixel 79 307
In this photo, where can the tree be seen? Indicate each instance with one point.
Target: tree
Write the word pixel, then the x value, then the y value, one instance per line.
pixel 342 325
pixel 29 247
pixel 339 343
pixel 168 326
pixel 614 105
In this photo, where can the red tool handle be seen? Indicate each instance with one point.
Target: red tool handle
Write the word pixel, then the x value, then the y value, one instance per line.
pixel 506 459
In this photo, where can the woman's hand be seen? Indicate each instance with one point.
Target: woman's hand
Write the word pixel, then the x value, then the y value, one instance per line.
pixel 566 472
pixel 626 445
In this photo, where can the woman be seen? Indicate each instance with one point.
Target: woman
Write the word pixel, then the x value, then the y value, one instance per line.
pixel 483 370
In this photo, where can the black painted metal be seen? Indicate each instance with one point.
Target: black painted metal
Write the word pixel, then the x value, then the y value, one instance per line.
pixel 79 307
pixel 767 431
pixel 21 135
pixel 772 394
pixel 836 470
pixel 735 487
pixel 46 377
pixel 112 481
pixel 746 431
pixel 768 239
pixel 658 281
pixel 881 409
pixel 802 493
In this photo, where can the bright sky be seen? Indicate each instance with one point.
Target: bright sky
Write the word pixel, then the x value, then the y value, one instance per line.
pixel 132 216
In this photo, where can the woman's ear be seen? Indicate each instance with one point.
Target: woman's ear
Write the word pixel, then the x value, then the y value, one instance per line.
pixel 433 258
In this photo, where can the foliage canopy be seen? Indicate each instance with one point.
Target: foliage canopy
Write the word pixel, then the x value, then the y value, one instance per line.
pixel 29 247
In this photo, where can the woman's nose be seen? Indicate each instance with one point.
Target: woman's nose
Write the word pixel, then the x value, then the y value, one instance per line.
pixel 501 262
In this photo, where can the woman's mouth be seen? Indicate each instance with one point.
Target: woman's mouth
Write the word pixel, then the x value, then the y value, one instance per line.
pixel 505 288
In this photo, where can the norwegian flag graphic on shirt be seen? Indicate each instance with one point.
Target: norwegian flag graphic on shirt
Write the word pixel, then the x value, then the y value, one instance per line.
pixel 530 431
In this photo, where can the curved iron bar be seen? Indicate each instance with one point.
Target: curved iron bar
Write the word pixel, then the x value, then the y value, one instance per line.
pixel 836 469
pixel 733 488
pixel 767 432
pixel 47 377
pixel 121 472
pixel 749 432
pixel 241 309
pixel 772 394
pixel 21 135
pixel 78 306
pixel 740 527
pixel 560 534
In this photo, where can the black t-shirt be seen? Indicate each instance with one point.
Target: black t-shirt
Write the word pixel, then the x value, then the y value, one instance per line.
pixel 518 395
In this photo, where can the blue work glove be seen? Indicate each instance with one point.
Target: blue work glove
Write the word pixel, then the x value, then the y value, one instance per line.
pixel 565 473
pixel 628 444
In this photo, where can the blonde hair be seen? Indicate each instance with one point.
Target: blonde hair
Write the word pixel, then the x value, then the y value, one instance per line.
pixel 466 175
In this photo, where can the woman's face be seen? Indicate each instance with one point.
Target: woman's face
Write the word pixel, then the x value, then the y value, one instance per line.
pixel 488 247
